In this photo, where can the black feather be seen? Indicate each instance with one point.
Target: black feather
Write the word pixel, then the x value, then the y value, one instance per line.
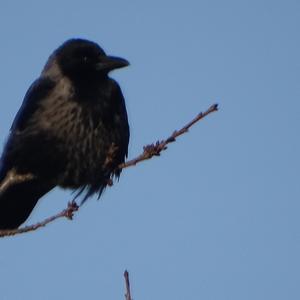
pixel 70 119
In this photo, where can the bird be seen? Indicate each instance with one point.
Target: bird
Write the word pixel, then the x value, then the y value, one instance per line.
pixel 71 131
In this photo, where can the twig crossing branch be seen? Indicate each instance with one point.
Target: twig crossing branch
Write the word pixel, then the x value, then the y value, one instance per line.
pixel 149 151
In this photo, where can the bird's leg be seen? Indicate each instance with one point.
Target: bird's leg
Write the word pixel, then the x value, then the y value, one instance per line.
pixel 111 153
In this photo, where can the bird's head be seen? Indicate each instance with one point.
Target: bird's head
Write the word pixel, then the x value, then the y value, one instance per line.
pixel 78 58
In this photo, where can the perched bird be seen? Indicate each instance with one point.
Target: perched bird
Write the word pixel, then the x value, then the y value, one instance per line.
pixel 71 131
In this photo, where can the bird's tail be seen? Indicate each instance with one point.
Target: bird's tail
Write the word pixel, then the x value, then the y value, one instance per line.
pixel 18 196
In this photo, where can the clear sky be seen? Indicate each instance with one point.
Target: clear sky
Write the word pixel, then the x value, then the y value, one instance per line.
pixel 217 215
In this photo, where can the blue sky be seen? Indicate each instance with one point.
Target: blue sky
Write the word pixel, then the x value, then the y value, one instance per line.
pixel 217 215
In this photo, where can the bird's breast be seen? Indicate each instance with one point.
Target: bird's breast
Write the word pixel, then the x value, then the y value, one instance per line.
pixel 86 132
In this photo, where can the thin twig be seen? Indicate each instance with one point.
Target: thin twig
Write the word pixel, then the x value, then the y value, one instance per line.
pixel 66 213
pixel 148 152
pixel 156 148
pixel 127 286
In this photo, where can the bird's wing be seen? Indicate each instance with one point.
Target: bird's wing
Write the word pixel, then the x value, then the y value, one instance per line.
pixel 19 192
pixel 14 146
pixel 36 93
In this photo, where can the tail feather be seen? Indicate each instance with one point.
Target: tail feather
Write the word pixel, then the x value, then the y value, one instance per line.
pixel 18 198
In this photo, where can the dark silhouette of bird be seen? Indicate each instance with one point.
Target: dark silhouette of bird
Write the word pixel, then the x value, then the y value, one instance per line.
pixel 71 131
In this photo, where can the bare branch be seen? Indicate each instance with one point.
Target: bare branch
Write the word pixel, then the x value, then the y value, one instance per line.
pixel 66 213
pixel 127 285
pixel 156 148
pixel 149 151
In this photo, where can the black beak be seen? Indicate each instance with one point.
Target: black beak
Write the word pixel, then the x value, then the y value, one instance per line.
pixel 109 63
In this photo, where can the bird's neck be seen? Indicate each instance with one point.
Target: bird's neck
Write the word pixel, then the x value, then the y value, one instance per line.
pixel 90 88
